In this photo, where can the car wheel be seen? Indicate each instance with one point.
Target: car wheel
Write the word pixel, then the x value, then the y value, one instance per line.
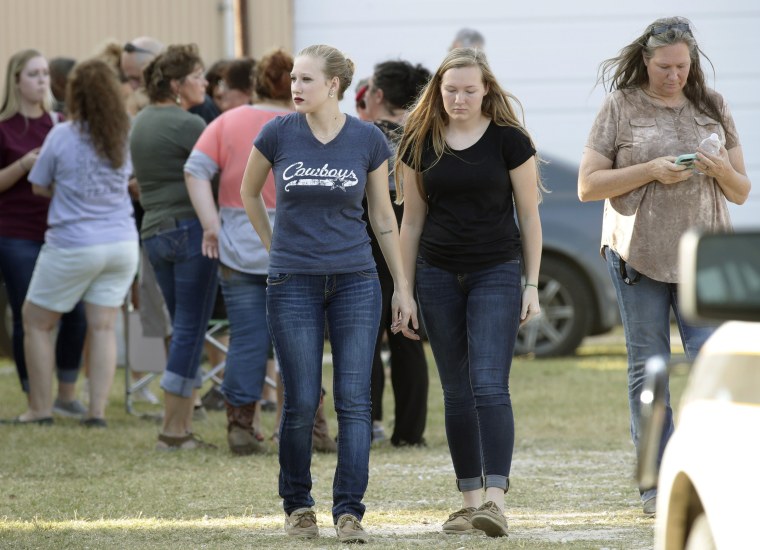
pixel 700 535
pixel 566 303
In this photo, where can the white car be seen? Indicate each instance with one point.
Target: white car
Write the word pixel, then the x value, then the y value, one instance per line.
pixel 708 488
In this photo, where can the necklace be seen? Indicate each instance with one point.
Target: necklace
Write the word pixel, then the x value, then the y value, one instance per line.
pixel 324 138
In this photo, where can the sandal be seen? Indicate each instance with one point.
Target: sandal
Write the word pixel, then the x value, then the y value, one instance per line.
pixel 44 421
pixel 183 443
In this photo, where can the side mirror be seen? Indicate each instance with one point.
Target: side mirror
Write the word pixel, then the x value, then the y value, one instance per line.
pixel 652 421
pixel 720 276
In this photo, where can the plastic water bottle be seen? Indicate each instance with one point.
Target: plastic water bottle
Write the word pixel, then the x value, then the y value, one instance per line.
pixel 711 144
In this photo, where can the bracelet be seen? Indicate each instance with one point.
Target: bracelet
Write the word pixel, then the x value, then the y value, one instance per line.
pixel 531 284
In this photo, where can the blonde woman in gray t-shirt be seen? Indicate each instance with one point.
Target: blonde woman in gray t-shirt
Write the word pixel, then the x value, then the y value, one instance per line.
pixel 321 268
pixel 659 108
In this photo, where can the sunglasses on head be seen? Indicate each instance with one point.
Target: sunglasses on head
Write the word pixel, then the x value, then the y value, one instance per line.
pixel 665 28
pixel 131 48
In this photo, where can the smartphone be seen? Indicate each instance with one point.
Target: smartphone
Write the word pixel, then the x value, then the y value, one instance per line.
pixel 686 160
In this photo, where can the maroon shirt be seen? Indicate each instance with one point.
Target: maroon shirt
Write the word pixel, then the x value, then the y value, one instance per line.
pixel 23 215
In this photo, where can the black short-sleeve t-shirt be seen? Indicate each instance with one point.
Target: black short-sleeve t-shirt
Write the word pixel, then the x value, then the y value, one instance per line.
pixel 470 223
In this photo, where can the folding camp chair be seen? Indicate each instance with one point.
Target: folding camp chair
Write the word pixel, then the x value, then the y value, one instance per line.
pixel 143 355
pixel 217 327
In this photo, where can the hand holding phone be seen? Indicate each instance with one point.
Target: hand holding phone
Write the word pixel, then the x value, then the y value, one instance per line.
pixel 686 160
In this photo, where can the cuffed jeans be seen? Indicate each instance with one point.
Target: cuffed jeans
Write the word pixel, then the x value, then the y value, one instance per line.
pixel 188 281
pixel 645 311
pixel 297 306
pixel 245 301
pixel 17 260
pixel 472 321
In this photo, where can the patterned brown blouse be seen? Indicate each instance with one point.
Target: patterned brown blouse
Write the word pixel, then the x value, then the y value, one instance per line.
pixel 645 225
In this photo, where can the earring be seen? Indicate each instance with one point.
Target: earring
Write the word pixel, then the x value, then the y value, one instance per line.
pixel 178 100
pixel 332 93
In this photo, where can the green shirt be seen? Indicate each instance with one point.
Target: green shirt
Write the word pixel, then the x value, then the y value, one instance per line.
pixel 161 140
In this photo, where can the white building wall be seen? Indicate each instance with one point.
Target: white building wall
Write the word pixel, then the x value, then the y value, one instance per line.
pixel 547 53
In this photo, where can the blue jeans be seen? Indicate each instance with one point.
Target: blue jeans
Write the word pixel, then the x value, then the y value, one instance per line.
pixel 472 321
pixel 645 311
pixel 297 307
pixel 188 281
pixel 245 300
pixel 17 259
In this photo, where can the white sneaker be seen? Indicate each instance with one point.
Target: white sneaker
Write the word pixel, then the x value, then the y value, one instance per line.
pixel 145 395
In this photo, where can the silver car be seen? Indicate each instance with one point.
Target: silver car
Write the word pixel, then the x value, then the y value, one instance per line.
pixel 574 288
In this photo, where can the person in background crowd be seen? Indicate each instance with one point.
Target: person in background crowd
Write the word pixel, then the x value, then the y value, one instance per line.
pixel 110 53
pixel 392 88
pixel 214 75
pixel 137 54
pixel 321 270
pixel 468 38
pixel 224 148
pixel 359 99
pixel 91 249
pixel 59 68
pixel 26 117
pixel 162 138
pixel 237 83
pixel 659 107
pixel 470 181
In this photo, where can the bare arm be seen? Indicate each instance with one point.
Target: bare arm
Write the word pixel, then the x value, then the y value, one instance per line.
pixel 254 178
pixel 384 224
pixel 525 190
pixel 598 180
pixel 17 170
pixel 727 167
pixel 415 211
pixel 43 190
pixel 202 197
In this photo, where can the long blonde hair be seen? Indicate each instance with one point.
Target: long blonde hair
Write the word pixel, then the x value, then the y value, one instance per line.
pixel 11 96
pixel 428 119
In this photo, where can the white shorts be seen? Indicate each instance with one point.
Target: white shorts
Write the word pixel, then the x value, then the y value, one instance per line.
pixel 100 274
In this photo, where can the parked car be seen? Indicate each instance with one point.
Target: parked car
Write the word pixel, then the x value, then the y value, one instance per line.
pixel 575 292
pixel 707 484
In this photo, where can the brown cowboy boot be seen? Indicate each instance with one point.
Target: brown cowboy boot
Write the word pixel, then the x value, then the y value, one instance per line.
pixel 320 438
pixel 240 436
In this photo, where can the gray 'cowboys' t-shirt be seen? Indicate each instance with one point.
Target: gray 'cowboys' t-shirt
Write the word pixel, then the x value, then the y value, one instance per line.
pixel 319 229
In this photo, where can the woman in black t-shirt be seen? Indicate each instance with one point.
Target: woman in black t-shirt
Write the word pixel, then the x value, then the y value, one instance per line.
pixel 467 166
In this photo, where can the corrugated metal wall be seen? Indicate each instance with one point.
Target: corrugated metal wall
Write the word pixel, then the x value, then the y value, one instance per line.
pixel 78 28
pixel 270 25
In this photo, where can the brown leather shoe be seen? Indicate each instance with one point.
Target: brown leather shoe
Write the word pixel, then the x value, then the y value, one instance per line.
pixel 240 435
pixel 320 436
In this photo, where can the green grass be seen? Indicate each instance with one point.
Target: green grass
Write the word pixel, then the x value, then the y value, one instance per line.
pixel 572 484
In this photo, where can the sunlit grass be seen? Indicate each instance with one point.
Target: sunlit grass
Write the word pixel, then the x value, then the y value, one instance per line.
pixel 572 475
